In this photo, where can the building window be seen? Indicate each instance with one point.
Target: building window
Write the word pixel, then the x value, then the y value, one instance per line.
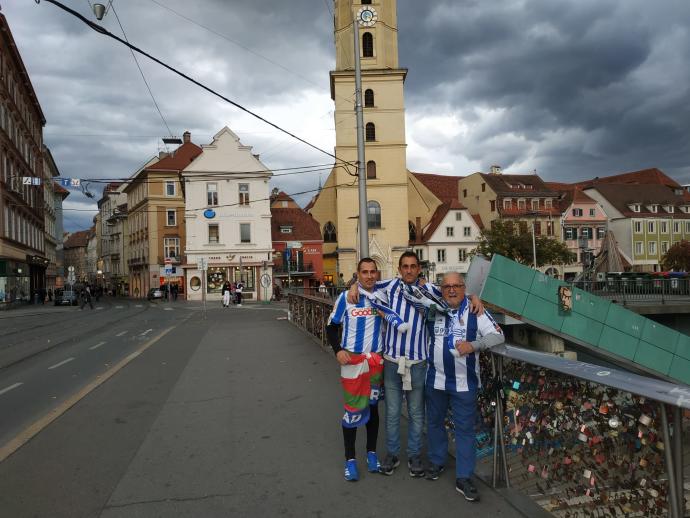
pixel 244 194
pixel 547 203
pixel 286 229
pixel 284 204
pixel 650 227
pixel 638 227
pixel 467 231
pixel 450 231
pixel 420 253
pixel 170 188
pixel 213 236
pixel 535 204
pixel 441 255
pixel 462 255
pixel 654 208
pixel 586 233
pixel 371 170
pixel 664 247
pixel 550 228
pixel 366 2
pixel 458 216
pixel 464 193
pixel 652 248
pixel 370 132
pixel 636 207
pixel 523 227
pixel 577 212
pixel 245 233
pixel 329 235
pixel 508 204
pixel 492 205
pixel 411 232
pixel 537 228
pixel 374 214
pixel 687 227
pixel 171 247
pixel 664 227
pixel 676 227
pixel 522 204
pixel 601 232
pixel 368 45
pixel 591 212
pixel 212 194
pixel 483 187
pixel 368 98
pixel 569 233
pixel 171 220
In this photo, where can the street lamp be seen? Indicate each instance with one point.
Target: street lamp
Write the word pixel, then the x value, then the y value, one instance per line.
pixel 99 10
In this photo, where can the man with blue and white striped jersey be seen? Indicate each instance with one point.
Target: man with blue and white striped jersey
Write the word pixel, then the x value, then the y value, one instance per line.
pixel 358 353
pixel 455 340
pixel 404 370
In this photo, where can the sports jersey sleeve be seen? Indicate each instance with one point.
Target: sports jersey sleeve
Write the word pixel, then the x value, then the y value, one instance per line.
pixel 338 313
pixel 489 333
pixel 432 288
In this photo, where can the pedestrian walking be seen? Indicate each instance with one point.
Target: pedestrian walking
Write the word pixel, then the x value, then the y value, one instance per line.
pixel 226 294
pixel 175 290
pixel 238 292
pixel 86 297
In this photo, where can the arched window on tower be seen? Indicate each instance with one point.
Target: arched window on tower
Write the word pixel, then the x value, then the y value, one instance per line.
pixel 329 235
pixel 368 98
pixel 366 2
pixel 412 230
pixel 370 130
pixel 368 45
pixel 371 170
pixel 374 214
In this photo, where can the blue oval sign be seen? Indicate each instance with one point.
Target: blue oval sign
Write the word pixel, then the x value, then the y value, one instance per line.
pixel 209 214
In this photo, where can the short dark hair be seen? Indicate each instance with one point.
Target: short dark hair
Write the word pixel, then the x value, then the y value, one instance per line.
pixel 366 260
pixel 408 253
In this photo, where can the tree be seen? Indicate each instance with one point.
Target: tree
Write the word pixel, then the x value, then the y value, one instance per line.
pixel 502 239
pixel 677 258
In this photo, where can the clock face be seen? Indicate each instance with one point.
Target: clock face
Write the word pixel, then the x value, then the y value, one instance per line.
pixel 367 16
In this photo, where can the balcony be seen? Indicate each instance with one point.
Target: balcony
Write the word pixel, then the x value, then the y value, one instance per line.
pixel 296 268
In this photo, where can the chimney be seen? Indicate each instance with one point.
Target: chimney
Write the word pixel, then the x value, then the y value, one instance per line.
pixel 186 137
pixel 496 169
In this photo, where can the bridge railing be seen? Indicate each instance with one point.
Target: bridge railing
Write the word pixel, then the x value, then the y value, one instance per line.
pixel 639 289
pixel 579 439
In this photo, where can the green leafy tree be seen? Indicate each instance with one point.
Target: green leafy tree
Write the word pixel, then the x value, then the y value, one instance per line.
pixel 503 239
pixel 677 258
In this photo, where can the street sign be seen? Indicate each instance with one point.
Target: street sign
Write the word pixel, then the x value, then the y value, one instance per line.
pixel 265 280
pixel 294 244
pixel 202 264
pixel 168 270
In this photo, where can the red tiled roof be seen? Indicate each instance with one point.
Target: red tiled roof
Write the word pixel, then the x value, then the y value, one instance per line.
pixel 581 197
pixel 304 226
pixel 644 176
pixel 621 196
pixel 60 190
pixel 178 159
pixel 512 184
pixel 78 239
pixel 444 187
pixel 438 216
pixel 283 196
pixel 478 220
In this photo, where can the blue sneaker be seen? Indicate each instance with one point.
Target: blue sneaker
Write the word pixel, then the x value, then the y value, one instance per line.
pixel 373 464
pixel 351 472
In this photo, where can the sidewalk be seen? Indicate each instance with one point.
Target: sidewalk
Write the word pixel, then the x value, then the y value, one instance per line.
pixel 252 428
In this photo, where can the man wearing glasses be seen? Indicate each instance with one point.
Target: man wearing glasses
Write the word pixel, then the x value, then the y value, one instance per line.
pixel 405 363
pixel 455 340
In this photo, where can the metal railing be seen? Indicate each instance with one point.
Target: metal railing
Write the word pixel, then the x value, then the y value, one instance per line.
pixel 639 289
pixel 579 439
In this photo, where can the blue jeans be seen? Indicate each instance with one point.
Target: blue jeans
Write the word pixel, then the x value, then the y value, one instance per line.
pixel 464 408
pixel 392 383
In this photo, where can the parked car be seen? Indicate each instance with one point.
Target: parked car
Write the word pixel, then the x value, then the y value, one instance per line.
pixel 66 298
pixel 157 293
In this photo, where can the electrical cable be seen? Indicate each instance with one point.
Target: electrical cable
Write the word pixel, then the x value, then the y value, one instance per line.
pixel 105 32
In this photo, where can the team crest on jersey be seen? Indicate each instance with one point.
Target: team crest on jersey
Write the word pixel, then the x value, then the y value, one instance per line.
pixel 364 312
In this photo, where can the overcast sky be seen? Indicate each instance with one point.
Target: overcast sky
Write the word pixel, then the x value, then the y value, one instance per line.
pixel 570 88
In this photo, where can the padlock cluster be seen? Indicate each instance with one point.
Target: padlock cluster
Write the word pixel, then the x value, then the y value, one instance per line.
pixel 575 447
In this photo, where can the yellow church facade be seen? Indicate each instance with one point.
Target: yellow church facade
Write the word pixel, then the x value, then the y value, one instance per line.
pixel 399 205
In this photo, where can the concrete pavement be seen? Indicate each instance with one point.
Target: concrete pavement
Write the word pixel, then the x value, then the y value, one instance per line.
pixel 235 415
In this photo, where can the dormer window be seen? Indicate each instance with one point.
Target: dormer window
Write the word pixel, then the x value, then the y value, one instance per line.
pixel 507 203
pixel 547 203
pixel 635 207
pixel 670 209
pixel 286 229
pixel 653 208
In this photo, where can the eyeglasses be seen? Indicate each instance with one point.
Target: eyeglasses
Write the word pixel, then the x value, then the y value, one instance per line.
pixel 452 286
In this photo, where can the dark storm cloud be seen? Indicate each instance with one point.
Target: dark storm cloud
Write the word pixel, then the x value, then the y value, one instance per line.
pixel 608 78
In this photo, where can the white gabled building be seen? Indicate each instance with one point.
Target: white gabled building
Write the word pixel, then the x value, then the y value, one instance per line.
pixel 448 240
pixel 228 219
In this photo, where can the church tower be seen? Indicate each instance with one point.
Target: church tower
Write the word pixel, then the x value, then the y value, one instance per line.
pixel 384 118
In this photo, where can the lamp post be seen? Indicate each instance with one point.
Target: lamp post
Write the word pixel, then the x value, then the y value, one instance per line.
pixel 361 169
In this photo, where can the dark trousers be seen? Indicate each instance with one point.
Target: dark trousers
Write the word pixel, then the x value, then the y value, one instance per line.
pixel 350 434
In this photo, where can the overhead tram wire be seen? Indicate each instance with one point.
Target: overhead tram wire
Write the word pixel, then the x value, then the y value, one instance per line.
pixel 105 32
pixel 162 210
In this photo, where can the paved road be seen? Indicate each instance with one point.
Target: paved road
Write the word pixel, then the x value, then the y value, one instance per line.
pixel 235 415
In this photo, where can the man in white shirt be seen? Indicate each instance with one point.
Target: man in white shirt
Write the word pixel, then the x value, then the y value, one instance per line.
pixel 455 340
